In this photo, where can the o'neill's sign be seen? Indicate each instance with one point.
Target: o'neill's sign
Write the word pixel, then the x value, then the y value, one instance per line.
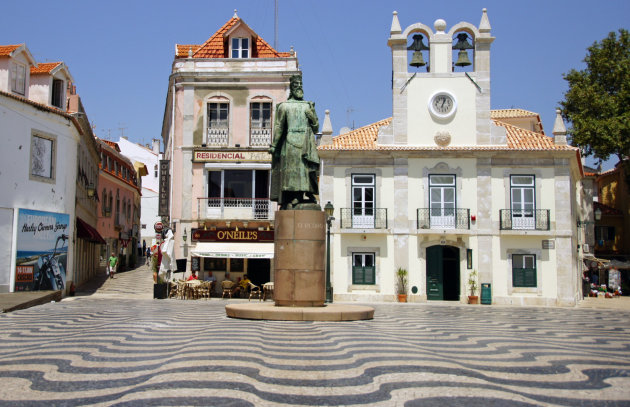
pixel 225 235
pixel 208 156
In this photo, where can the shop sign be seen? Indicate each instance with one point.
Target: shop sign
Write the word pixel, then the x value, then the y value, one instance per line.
pixel 230 156
pixel 232 235
pixel 548 244
pixel 41 250
pixel 164 193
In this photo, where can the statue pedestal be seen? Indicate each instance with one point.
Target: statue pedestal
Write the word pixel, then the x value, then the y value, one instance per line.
pixel 300 258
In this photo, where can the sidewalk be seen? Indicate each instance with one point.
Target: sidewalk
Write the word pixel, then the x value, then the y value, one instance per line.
pixel 135 283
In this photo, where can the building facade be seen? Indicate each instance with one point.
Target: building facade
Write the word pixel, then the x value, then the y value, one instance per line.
pixel 217 129
pixel 49 165
pixel 447 186
pixel 146 159
pixel 119 206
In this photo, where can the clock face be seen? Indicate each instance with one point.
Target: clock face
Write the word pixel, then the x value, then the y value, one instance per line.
pixel 442 105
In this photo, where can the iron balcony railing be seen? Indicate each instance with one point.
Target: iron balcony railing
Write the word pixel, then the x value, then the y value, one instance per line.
pixel 217 136
pixel 363 218
pixel 260 137
pixel 443 218
pixel 235 208
pixel 528 219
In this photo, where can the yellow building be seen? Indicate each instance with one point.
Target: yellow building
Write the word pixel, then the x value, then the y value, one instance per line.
pixel 447 186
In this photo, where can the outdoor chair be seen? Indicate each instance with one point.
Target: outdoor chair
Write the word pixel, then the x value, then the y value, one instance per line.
pixel 226 286
pixel 254 291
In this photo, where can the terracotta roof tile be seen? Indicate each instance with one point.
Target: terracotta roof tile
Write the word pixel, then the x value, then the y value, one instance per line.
pixel 365 138
pixel 216 46
pixel 6 50
pixel 44 67
pixel 511 113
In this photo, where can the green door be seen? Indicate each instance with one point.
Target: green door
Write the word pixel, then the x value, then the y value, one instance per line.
pixel 435 278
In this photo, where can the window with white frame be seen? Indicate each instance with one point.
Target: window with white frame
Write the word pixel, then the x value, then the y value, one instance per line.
pixel 240 47
pixel 363 196
pixel 524 270
pixel 218 123
pixel 42 157
pixel 523 201
pixel 18 78
pixel 442 200
pixel 260 123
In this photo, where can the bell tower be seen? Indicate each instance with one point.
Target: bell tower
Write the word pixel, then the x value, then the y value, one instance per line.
pixel 441 83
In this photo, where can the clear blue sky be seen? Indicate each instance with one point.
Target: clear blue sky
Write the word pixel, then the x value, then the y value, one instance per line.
pixel 120 52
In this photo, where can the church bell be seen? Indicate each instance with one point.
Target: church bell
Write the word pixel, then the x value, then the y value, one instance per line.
pixel 418 46
pixel 462 45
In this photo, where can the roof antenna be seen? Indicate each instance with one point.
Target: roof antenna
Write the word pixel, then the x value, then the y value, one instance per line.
pixel 275 26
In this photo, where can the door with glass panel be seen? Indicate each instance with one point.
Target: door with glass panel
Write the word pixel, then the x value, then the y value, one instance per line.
pixel 442 201
pixel 522 195
pixel 363 188
pixel 363 271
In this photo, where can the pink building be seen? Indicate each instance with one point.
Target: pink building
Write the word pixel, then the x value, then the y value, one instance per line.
pixel 217 128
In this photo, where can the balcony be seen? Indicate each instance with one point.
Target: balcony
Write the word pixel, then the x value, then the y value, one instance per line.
pixel 217 136
pixel 235 208
pixel 443 218
pixel 363 218
pixel 260 137
pixel 532 219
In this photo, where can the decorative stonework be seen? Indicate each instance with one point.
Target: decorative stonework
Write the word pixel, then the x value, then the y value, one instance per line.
pixel 442 138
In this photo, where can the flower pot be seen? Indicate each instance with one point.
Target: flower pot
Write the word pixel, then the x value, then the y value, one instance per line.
pixel 473 299
pixel 402 297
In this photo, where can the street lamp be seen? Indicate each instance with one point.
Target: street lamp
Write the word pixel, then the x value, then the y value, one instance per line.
pixel 184 236
pixel 330 210
pixel 91 190
pixel 598 216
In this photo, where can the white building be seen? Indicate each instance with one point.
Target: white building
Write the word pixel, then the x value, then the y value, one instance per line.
pixel 448 186
pixel 49 171
pixel 150 157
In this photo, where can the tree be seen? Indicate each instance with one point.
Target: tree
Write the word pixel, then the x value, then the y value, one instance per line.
pixel 597 104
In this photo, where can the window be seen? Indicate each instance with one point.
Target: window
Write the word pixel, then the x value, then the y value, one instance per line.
pixel 143 226
pixel 104 205
pixel 240 47
pixel 18 78
pixel 218 123
pixel 442 200
pixel 42 157
pixel 522 197
pixel 524 270
pixel 57 93
pixel 604 233
pixel 238 184
pixel 363 270
pixel 261 115
pixel 363 188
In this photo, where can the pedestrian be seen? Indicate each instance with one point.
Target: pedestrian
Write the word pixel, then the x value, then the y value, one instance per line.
pixel 113 263
pixel 140 252
pixel 144 247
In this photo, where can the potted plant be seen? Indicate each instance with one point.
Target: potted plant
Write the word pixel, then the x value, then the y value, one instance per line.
pixel 401 278
pixel 472 286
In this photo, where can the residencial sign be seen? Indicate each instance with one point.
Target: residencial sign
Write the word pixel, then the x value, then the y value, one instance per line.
pixel 165 187
pixel 232 235
pixel 207 156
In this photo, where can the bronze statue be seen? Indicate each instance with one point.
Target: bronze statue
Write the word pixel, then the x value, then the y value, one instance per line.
pixel 295 163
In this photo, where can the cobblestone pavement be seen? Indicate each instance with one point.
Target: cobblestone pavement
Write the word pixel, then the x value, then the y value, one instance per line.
pixel 118 347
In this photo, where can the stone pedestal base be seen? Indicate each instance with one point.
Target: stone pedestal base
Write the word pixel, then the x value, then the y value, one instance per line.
pixel 300 249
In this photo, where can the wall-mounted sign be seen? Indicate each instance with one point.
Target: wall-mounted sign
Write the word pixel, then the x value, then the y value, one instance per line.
pixel 42 250
pixel 165 187
pixel 548 244
pixel 158 226
pixel 231 235
pixel 230 156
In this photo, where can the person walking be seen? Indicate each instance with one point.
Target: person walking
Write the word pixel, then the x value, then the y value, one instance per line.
pixel 113 263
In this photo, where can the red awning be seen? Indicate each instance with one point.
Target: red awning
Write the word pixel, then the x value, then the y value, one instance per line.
pixel 87 232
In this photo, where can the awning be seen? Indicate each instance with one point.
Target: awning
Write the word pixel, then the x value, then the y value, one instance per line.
pixel 87 232
pixel 233 250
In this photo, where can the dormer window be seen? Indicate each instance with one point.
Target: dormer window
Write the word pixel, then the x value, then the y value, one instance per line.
pixel 18 78
pixel 240 47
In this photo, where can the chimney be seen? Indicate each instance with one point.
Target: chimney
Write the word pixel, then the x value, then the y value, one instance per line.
pixel 156 146
pixel 559 131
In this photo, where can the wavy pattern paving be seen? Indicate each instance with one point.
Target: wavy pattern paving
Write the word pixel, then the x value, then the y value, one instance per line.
pixel 136 352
